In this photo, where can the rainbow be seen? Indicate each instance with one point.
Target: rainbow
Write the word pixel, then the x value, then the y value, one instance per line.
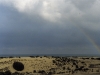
pixel 89 38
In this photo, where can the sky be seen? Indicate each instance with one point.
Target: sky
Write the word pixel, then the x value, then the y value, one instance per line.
pixel 49 27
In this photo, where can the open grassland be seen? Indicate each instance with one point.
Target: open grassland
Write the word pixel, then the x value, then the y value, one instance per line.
pixel 50 65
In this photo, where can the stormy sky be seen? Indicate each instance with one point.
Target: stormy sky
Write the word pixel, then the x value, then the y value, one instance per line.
pixel 49 27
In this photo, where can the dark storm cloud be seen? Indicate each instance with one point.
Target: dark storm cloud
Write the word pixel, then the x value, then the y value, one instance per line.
pixel 30 32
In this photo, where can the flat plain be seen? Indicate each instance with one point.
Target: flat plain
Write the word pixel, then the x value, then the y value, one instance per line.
pixel 50 65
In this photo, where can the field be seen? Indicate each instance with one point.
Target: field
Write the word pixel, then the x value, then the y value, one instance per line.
pixel 46 65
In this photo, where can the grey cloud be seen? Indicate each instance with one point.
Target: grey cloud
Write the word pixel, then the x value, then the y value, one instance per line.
pixel 50 50
pixel 32 33
pixel 83 4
